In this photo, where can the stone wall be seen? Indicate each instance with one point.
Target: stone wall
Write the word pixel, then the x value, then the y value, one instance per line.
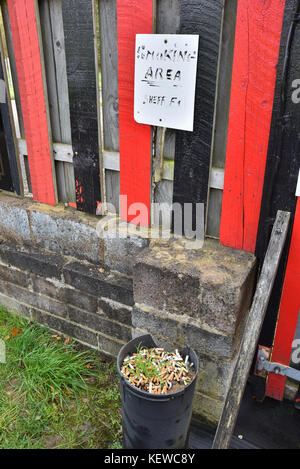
pixel 103 290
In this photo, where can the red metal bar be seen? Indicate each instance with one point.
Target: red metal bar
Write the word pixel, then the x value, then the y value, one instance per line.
pixel 288 313
pixel 134 17
pixel 257 41
pixel 24 28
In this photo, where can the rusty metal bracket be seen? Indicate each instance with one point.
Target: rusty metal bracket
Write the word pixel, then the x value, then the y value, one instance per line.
pixel 264 366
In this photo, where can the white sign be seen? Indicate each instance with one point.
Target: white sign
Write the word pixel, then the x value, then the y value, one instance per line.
pixel 165 80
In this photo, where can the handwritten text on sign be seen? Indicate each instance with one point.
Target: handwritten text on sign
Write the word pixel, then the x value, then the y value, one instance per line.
pixel 165 80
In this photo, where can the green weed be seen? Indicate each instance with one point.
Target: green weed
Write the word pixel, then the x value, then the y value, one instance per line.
pixel 52 394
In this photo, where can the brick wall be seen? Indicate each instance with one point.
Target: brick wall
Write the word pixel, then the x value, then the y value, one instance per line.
pixel 75 298
pixel 103 290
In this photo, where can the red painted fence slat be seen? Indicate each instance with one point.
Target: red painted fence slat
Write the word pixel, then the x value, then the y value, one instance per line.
pixel 134 17
pixel 24 28
pixel 288 313
pixel 257 42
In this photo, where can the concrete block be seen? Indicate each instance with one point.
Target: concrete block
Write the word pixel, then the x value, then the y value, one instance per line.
pixel 51 287
pixel 208 340
pixel 213 285
pixel 155 322
pixel 159 340
pixel 115 311
pixel 31 259
pixel 14 223
pixel 121 245
pixel 14 306
pixel 214 375
pixel 60 291
pixel 99 324
pixel 80 300
pixel 60 325
pixel 98 282
pixel 61 234
pixel 42 302
pixel 109 345
pixel 207 410
pixel 13 275
pixel 182 330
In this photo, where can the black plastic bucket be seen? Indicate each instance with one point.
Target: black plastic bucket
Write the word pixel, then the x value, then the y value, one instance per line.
pixel 153 420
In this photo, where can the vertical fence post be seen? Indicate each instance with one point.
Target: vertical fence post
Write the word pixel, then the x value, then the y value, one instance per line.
pixel 280 178
pixel 133 17
pixel 257 41
pixel 25 36
pixel 10 136
pixel 82 83
pixel 194 149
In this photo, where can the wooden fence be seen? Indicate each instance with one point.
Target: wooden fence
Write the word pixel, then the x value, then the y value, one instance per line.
pixel 52 18
pixel 73 138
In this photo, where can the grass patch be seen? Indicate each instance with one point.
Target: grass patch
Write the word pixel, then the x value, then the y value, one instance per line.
pixel 54 394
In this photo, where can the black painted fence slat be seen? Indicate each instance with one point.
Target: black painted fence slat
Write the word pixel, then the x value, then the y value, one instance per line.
pixel 81 74
pixel 10 181
pixel 193 149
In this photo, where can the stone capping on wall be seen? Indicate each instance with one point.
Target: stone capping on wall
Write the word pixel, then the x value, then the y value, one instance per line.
pixel 66 231
pixel 56 270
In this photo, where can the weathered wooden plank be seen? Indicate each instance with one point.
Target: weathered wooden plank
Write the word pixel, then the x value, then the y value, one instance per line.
pixel 258 31
pixel 168 16
pixel 52 92
pixel 113 188
pixel 31 83
pixel 111 160
pixel 61 151
pixel 109 73
pixel 135 139
pixel 163 196
pixel 194 149
pixel 57 36
pixel 283 159
pixel 63 94
pixel 288 314
pixel 57 86
pixel 58 42
pixel 9 132
pixel 5 174
pixel 50 69
pixel 167 22
pixel 16 103
pixel 60 178
pixel 11 54
pixel 81 74
pixel 224 84
pixel 214 213
pixel 251 332
pixel 215 197
pixel 107 18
